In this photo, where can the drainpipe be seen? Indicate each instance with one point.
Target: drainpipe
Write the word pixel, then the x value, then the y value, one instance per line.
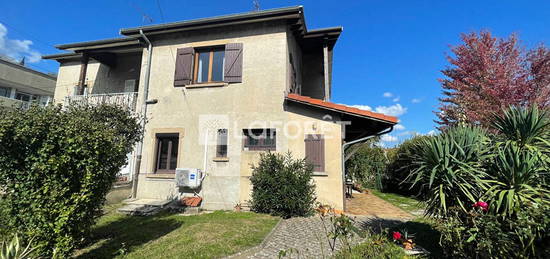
pixel 139 148
pixel 346 145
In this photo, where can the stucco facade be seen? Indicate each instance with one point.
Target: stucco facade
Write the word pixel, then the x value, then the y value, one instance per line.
pixel 274 64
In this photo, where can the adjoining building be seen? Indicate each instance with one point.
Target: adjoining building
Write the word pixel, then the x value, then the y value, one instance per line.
pixel 20 85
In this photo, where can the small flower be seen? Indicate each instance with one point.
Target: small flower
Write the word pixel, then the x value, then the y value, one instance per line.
pixel 481 204
pixel 396 235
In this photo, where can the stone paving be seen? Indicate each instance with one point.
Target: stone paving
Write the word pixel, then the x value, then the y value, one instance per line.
pixel 306 237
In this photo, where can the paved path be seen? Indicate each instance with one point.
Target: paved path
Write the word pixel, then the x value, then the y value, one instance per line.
pixel 306 237
pixel 367 204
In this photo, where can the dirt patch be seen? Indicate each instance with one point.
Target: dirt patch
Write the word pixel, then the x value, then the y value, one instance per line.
pixel 369 205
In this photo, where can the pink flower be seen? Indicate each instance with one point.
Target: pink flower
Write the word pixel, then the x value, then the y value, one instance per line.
pixel 481 204
pixel 396 235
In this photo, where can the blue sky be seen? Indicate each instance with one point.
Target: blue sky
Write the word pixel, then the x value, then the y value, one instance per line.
pixel 388 57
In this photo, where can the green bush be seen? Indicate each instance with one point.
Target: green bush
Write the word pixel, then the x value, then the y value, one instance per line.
pixel 56 166
pixel 448 169
pixel 485 235
pixel 399 167
pixel 282 186
pixel 367 166
pixel 374 246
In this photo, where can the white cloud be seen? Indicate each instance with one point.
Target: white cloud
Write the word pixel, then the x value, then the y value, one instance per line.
pixel 387 95
pixel 431 133
pixel 17 49
pixel 416 100
pixel 396 99
pixel 388 138
pixel 362 107
pixel 399 127
pixel 392 110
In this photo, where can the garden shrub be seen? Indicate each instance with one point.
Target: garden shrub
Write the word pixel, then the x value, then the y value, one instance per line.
pixel 479 234
pixel 399 167
pixel 282 186
pixel 367 166
pixel 448 168
pixel 374 246
pixel 56 167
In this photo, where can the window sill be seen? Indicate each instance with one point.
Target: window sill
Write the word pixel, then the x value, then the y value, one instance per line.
pixel 161 176
pixel 221 159
pixel 319 174
pixel 201 85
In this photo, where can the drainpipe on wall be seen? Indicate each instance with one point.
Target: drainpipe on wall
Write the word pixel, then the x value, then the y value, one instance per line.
pixel 139 148
pixel 346 145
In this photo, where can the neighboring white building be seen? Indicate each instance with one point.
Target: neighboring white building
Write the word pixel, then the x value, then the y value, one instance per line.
pixel 20 85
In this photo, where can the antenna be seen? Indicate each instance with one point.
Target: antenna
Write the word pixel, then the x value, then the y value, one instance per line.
pixel 144 16
pixel 256 4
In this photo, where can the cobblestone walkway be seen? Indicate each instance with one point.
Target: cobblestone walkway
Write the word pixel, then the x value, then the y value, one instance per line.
pixel 306 237
pixel 299 237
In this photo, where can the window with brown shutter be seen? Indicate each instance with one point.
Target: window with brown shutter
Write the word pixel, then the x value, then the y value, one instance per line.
pixel 233 68
pixel 315 151
pixel 184 67
pixel 166 152
pixel 209 65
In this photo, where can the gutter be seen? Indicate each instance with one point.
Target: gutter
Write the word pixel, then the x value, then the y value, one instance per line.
pixel 346 145
pixel 139 147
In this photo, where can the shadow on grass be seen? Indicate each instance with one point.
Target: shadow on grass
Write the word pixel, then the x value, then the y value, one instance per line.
pixel 425 235
pixel 127 233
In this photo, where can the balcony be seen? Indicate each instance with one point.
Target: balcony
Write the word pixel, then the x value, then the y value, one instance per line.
pixel 13 103
pixel 124 100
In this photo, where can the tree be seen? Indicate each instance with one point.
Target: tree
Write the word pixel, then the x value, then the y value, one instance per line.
pixel 56 166
pixel 487 74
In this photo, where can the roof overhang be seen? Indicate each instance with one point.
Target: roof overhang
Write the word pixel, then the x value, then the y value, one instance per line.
pixel 100 44
pixel 358 122
pixel 295 12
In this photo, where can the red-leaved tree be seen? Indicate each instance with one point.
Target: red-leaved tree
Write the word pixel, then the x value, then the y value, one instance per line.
pixel 487 74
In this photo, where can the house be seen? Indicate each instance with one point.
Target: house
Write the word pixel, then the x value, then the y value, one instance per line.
pixel 218 92
pixel 20 85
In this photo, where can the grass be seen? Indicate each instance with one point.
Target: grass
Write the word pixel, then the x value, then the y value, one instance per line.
pixel 405 203
pixel 168 235
pixel 425 235
pixel 374 246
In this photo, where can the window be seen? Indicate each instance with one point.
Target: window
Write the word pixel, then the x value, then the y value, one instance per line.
pixel 167 152
pixel 221 147
pixel 260 139
pixel 209 64
pixel 315 151
pixel 24 97
pixel 5 92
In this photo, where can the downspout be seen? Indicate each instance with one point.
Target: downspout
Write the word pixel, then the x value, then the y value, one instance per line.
pixel 139 148
pixel 346 145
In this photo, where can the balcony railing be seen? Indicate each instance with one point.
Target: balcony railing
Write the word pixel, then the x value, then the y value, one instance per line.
pixel 13 103
pixel 124 100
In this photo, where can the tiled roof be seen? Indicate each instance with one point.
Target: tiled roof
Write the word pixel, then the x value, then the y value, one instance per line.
pixel 341 108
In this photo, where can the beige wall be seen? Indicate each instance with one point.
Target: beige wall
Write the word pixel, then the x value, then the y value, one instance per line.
pixel 100 78
pixel 258 99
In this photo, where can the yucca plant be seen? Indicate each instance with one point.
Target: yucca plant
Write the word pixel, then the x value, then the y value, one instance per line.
pixel 14 249
pixel 514 180
pixel 449 168
pixel 518 174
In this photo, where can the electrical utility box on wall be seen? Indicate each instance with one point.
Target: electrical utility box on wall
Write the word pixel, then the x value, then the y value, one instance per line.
pixel 189 177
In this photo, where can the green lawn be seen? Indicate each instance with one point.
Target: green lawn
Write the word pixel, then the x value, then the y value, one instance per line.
pixel 407 204
pixel 168 235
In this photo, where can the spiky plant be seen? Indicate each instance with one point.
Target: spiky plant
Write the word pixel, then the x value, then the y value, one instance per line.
pixel 449 168
pixel 14 249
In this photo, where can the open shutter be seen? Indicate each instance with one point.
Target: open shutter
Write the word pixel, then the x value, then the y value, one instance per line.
pixel 233 70
pixel 184 67
pixel 315 152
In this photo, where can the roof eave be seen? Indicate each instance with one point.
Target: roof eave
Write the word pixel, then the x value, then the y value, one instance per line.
pixel 251 17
